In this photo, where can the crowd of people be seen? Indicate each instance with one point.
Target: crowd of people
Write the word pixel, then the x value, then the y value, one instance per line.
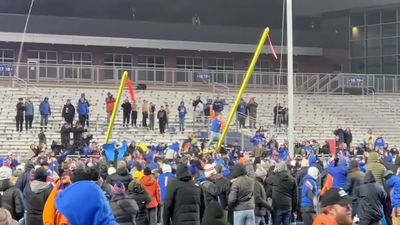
pixel 202 111
pixel 189 183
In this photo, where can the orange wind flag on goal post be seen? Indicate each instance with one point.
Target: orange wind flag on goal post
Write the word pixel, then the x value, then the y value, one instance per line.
pixel 272 48
pixel 131 91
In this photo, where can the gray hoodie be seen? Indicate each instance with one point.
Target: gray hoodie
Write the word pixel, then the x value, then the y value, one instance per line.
pixel 38 186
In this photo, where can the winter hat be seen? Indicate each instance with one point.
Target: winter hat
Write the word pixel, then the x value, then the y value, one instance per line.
pixel 118 189
pixel 166 168
pixel 111 171
pixel 281 166
pixel 304 163
pixel 353 165
pixel 147 171
pixel 260 172
pixel 5 173
pixel 6 218
pixel 138 175
pixel 183 173
pixel 209 171
pixel 238 170
pixel 313 172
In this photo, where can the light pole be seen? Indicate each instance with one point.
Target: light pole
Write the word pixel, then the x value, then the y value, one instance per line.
pixel 289 27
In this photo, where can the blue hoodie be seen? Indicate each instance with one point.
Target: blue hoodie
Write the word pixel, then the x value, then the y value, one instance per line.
pixel 379 143
pixel 283 153
pixel 216 126
pixel 394 183
pixel 163 180
pixel 308 149
pixel 338 173
pixel 312 160
pixel 44 108
pixel 257 139
pixel 83 108
pixel 309 184
pixel 95 209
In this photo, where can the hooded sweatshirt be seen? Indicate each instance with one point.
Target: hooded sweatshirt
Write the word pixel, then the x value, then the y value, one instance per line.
pixel 377 169
pixel 394 183
pixel 371 198
pixel 96 211
pixel 37 195
pixel 184 202
pixel 163 180
pixel 338 173
pixel 152 188
pixel 50 214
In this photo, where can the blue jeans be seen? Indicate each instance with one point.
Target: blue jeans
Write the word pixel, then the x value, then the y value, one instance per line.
pixel 213 136
pixel 281 217
pixel 44 119
pixel 181 123
pixel 260 220
pixel 243 217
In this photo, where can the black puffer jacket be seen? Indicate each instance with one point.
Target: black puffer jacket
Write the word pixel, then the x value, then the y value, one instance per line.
pixel 125 210
pixel 371 198
pixel 282 189
pixel 137 192
pixel 121 175
pixel 184 202
pixel 38 192
pixel 260 198
pixel 11 199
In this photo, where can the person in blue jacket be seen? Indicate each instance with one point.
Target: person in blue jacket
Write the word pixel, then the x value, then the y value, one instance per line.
pixel 182 114
pixel 83 111
pixel 218 105
pixel 163 180
pixel 215 129
pixel 307 149
pixel 96 209
pixel 45 112
pixel 379 142
pixel 393 182
pixel 309 193
pixel 257 138
pixel 338 171
pixel 283 152
pixel 241 113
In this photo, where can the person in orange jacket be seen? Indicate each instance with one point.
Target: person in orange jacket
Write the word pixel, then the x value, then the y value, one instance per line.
pixel 153 189
pixel 335 208
pixel 51 216
pixel 110 101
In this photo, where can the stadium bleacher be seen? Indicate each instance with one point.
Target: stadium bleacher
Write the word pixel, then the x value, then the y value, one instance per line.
pixel 316 116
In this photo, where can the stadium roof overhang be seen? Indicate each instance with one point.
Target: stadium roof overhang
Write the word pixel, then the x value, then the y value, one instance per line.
pixel 142 34
pixel 148 43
